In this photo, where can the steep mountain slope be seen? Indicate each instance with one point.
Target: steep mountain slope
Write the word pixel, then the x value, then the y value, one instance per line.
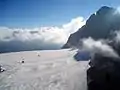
pixel 99 25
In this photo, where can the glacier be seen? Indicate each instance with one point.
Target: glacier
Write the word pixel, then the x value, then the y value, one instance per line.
pixel 43 70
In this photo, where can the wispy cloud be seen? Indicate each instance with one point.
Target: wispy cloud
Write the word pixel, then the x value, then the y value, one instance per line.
pixel 98 46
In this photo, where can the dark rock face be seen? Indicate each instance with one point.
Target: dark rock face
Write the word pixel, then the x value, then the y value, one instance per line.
pixel 99 25
pixel 104 73
pixel 102 79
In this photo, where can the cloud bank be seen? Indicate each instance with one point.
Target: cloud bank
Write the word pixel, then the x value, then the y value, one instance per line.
pixel 18 39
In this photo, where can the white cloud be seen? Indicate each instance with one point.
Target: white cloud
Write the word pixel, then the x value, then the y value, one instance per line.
pixel 117 10
pixel 99 46
pixel 44 35
pixel 74 25
pixel 117 36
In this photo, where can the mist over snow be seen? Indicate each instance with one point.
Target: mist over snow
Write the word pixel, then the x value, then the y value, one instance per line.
pixel 17 39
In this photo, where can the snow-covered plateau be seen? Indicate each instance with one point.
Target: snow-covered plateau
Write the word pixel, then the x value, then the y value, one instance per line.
pixel 42 70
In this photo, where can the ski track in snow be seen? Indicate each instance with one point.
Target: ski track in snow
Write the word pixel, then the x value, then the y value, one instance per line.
pixel 43 70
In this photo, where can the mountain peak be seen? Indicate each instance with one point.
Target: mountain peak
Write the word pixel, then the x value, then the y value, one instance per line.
pixel 104 9
pixel 98 26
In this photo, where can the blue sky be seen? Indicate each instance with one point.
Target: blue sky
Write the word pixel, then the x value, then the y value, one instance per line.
pixel 35 13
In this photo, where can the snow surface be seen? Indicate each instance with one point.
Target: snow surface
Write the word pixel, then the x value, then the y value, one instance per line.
pixel 43 70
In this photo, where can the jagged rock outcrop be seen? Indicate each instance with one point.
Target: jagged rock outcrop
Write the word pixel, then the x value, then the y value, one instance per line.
pixel 104 71
pixel 104 74
pixel 99 25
